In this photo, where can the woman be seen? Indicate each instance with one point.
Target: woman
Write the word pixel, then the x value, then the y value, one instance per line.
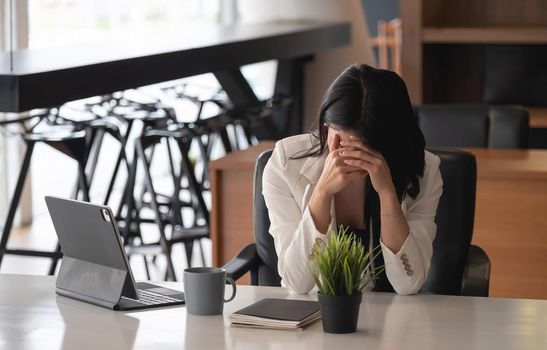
pixel 365 168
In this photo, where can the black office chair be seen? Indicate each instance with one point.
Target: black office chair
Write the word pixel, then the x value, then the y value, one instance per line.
pixel 516 74
pixel 260 257
pixel 455 125
pixel 185 233
pixel 457 267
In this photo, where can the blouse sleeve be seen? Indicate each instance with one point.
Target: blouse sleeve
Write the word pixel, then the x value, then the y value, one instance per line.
pixel 418 247
pixel 291 227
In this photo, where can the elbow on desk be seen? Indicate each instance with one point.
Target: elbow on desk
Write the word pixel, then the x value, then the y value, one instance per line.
pixel 409 286
pixel 299 289
pixel 296 284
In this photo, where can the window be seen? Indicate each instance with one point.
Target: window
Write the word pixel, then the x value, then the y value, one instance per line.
pixel 62 22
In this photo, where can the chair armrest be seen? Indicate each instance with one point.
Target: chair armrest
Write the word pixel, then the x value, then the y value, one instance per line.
pixel 476 275
pixel 243 262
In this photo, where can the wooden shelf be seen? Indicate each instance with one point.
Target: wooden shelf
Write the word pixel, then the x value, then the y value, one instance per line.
pixel 478 35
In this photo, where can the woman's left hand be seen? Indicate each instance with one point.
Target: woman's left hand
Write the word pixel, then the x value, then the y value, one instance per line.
pixel 360 155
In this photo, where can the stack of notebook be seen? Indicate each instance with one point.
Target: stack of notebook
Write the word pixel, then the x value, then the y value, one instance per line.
pixel 277 314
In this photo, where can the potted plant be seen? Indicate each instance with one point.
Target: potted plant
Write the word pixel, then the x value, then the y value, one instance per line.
pixel 341 269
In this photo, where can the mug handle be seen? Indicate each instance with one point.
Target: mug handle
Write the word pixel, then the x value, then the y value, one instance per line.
pixel 231 281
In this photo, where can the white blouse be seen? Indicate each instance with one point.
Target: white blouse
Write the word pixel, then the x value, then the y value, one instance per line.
pixel 287 188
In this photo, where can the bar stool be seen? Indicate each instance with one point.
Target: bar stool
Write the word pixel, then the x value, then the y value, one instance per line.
pixel 180 232
pixel 65 138
pixel 129 113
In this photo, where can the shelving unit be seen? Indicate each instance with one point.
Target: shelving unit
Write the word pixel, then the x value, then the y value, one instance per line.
pixel 479 35
pixel 443 43
pixel 451 50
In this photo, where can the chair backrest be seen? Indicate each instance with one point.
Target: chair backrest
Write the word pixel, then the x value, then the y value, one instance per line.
pixel 515 74
pixel 267 265
pixel 509 126
pixel 474 125
pixel 455 217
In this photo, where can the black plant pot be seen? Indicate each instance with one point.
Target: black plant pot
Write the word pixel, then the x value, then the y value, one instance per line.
pixel 339 313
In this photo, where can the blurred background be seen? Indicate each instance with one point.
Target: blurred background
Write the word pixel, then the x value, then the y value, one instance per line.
pixel 476 72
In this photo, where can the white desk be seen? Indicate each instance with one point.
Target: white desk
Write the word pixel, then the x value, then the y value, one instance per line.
pixel 33 317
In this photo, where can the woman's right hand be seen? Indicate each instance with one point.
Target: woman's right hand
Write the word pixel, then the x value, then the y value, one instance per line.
pixel 336 173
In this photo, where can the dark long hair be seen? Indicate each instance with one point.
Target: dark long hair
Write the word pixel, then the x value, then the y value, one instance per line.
pixel 375 104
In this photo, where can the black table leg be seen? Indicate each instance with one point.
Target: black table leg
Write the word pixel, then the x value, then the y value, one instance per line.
pixel 237 88
pixel 241 94
pixel 290 82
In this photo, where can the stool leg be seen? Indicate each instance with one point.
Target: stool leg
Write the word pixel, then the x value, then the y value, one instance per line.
pixel 175 205
pixel 150 187
pixel 195 191
pixel 54 261
pixel 195 188
pixel 189 249
pixel 15 199
pixel 121 156
pixel 95 150
pixel 248 135
pixel 148 162
pixel 225 140
pixel 201 252
pixel 94 139
pixel 205 159
pixel 113 178
pixel 146 268
pixel 83 181
pixel 128 197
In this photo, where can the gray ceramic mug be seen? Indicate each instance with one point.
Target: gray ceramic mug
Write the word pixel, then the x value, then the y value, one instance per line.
pixel 204 290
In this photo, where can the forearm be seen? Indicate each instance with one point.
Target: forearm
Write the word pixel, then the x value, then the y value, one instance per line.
pixel 294 246
pixel 395 229
pixel 319 206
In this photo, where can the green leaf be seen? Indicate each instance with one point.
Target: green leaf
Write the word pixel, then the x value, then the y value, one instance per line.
pixel 339 263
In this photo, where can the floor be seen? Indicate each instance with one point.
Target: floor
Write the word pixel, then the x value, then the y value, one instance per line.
pixel 41 235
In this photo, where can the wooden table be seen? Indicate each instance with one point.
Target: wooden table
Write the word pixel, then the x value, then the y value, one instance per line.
pixel 511 220
pixel 510 216
pixel 33 317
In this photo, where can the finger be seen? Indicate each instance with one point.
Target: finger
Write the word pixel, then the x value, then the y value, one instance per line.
pixel 337 151
pixel 340 164
pixel 335 142
pixel 358 170
pixel 334 156
pixel 349 169
pixel 358 145
pixel 367 166
pixel 355 142
pixel 340 161
pixel 358 154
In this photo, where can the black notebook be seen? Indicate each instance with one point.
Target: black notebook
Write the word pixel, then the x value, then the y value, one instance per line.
pixel 277 314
